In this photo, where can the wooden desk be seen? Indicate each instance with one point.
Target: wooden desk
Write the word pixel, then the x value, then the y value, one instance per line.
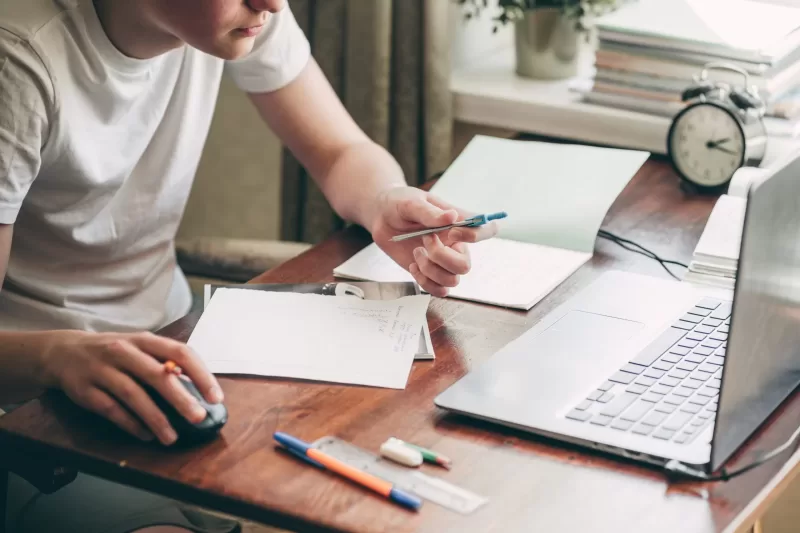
pixel 533 484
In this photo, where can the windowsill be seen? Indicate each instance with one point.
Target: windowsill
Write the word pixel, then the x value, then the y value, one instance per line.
pixel 490 93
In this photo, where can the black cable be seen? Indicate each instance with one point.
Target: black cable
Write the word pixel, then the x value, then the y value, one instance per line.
pixel 725 475
pixel 645 253
pixel 618 238
pixel 635 247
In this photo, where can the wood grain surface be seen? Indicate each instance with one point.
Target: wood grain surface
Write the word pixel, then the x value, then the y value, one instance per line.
pixel 533 484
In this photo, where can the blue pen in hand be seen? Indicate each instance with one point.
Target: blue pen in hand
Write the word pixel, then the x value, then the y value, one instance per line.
pixel 478 220
pixel 320 459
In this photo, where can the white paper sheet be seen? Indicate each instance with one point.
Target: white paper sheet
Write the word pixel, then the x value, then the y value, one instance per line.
pixel 371 291
pixel 310 336
pixel 505 273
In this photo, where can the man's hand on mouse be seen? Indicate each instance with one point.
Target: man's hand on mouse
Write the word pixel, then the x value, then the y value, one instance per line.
pixel 99 371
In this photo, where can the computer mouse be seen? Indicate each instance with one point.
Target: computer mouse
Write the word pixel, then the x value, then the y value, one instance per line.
pixel 189 433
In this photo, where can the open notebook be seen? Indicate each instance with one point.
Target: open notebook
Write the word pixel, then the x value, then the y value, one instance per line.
pixel 556 196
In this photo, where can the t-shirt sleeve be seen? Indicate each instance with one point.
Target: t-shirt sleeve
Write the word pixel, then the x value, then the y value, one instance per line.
pixel 279 55
pixel 25 89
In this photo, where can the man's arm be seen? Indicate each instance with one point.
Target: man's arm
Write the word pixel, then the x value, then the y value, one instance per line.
pixel 350 169
pixel 20 353
pixel 364 183
pixel 96 370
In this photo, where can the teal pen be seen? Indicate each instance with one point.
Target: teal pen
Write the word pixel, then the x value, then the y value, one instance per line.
pixel 478 220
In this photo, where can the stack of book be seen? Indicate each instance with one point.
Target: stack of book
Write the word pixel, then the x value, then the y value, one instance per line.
pixel 649 51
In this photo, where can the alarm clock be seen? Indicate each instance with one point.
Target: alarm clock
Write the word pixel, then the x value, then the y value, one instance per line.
pixel 720 130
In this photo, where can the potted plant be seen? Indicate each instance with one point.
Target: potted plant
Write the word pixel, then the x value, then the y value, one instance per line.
pixel 549 34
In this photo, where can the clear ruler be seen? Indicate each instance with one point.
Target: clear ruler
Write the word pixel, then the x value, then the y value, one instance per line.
pixel 428 487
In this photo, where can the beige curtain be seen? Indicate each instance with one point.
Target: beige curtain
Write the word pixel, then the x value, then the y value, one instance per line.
pixel 389 61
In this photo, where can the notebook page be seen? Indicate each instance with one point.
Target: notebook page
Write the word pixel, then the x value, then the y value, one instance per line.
pixel 310 336
pixel 556 195
pixel 506 273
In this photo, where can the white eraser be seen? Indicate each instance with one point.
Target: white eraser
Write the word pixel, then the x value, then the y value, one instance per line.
pixel 398 452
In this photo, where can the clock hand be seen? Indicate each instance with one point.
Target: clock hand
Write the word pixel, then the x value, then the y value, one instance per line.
pixel 722 149
pixel 714 144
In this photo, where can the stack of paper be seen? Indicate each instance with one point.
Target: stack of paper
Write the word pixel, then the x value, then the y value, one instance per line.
pixel 310 336
pixel 716 257
pixel 650 50
pixel 556 196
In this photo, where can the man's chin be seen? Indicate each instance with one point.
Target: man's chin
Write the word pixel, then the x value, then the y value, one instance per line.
pixel 233 49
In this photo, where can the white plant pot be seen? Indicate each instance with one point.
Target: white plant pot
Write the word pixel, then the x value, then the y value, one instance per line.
pixel 548 44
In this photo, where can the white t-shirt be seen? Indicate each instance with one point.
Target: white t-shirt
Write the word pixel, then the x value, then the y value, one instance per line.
pixel 98 152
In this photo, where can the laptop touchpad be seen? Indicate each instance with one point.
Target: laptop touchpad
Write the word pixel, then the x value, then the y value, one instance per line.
pixel 581 327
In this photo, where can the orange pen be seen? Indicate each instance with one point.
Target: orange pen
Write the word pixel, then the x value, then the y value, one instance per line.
pixel 170 367
pixel 304 451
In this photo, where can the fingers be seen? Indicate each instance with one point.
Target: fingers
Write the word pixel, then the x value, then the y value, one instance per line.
pixel 133 361
pixel 462 234
pixel 100 403
pixel 419 211
pixel 450 259
pixel 438 267
pixel 438 202
pixel 465 234
pixel 461 248
pixel 166 349
pixel 130 394
pixel 432 271
pixel 429 286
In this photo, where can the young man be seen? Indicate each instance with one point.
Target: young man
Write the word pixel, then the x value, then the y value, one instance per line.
pixel 104 109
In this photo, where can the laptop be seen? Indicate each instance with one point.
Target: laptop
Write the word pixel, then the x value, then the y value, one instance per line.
pixel 655 370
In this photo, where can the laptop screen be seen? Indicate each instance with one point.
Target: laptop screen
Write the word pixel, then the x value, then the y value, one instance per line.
pixel 762 365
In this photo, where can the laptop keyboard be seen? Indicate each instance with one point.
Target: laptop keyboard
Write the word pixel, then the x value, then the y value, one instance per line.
pixel 669 390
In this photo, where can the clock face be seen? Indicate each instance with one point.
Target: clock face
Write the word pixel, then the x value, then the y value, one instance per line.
pixel 707 144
